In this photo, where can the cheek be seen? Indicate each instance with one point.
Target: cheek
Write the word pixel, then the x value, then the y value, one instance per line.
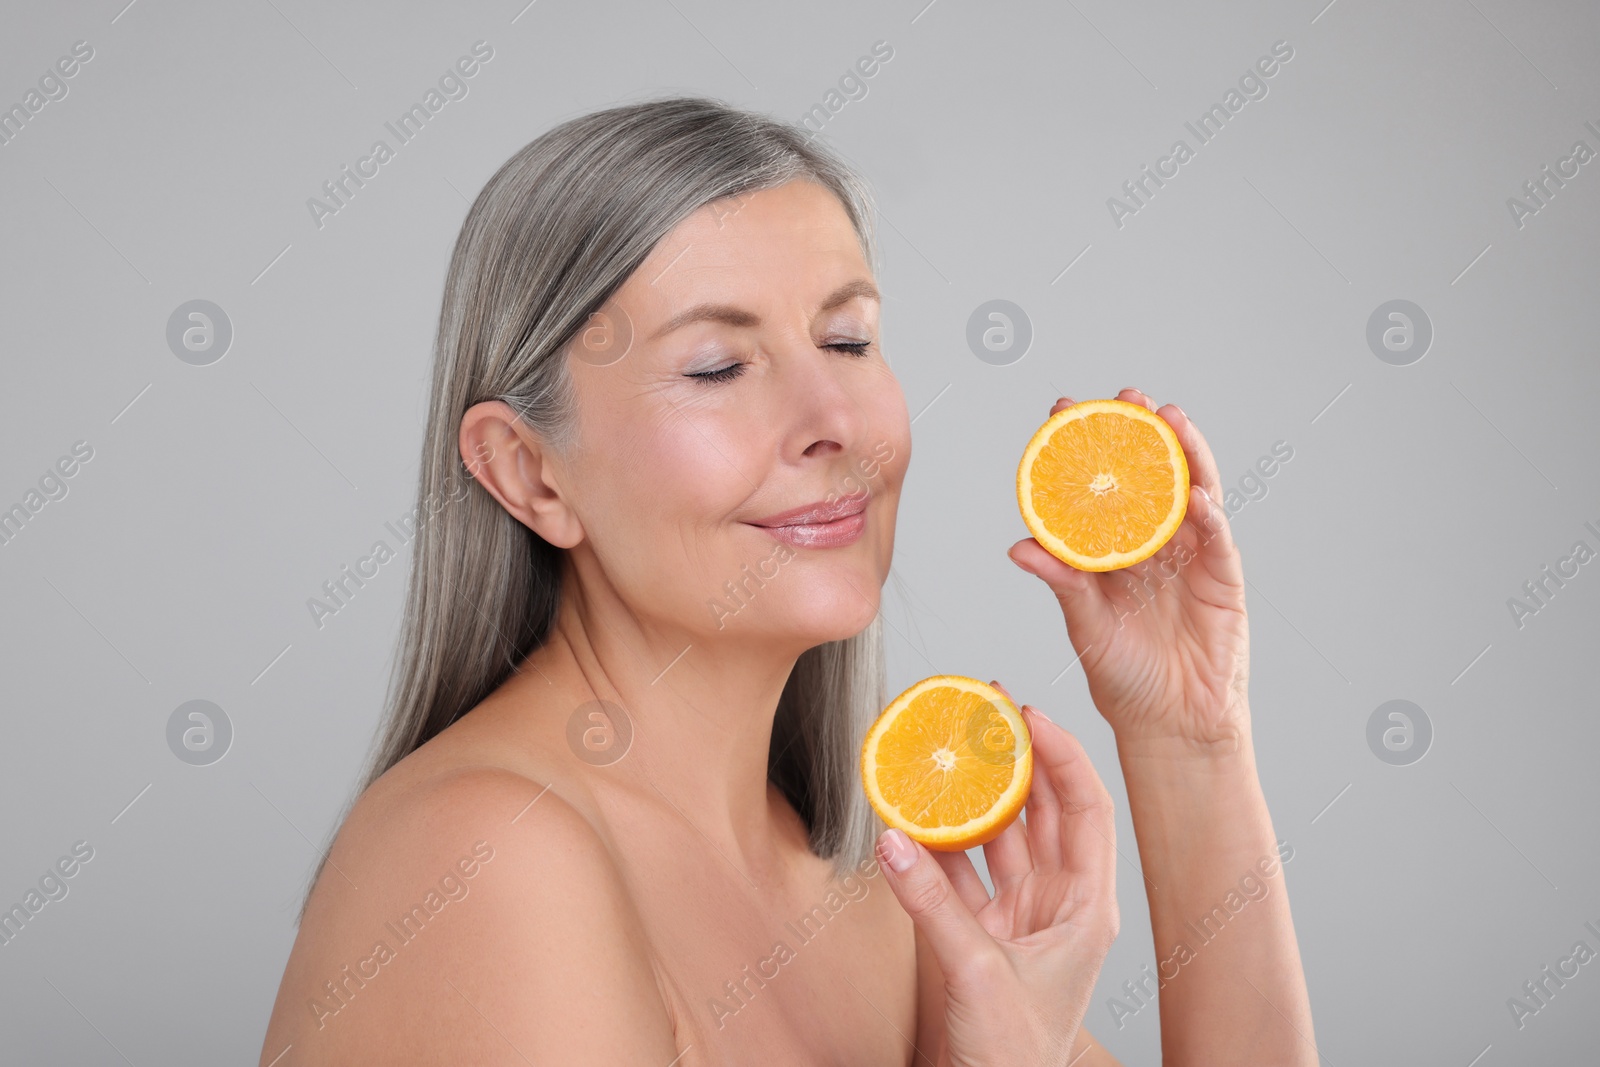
pixel 662 482
pixel 888 447
pixel 884 455
pixel 690 464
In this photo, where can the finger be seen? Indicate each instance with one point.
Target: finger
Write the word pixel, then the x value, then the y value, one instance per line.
pixel 1204 512
pixel 1088 613
pixel 1007 857
pixel 1062 404
pixel 925 892
pixel 963 879
pixel 1196 453
pixel 1088 825
pixel 1043 811
pixel 1214 536
pixel 1204 534
pixel 1134 396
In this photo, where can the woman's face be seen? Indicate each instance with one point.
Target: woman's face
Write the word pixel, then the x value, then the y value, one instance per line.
pixel 736 377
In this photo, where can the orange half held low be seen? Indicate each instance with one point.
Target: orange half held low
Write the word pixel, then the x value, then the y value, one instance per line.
pixel 1103 484
pixel 950 762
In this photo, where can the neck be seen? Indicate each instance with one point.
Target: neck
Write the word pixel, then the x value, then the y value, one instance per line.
pixel 700 706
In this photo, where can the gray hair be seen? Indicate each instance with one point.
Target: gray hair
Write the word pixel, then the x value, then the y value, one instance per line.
pixel 550 238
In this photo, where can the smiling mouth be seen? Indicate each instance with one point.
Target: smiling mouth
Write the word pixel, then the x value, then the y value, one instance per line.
pixel 817 514
pixel 830 524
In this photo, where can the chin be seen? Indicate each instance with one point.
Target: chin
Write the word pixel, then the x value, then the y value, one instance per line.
pixel 833 611
pixel 809 597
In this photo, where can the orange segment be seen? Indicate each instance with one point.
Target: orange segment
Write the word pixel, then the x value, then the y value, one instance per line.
pixel 1103 484
pixel 949 761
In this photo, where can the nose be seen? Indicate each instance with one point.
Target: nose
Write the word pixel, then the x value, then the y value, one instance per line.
pixel 818 403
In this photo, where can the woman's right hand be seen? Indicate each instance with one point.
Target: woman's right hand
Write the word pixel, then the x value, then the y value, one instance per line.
pixel 1016 971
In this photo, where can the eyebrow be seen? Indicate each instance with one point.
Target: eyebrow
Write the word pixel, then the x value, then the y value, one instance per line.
pixel 735 316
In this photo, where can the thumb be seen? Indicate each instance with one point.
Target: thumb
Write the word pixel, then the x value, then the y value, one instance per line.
pixel 928 897
pixel 1082 602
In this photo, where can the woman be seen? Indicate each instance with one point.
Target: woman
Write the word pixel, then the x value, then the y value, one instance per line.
pixel 616 816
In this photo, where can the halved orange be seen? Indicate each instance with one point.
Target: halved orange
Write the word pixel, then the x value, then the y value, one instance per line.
pixel 1103 484
pixel 950 762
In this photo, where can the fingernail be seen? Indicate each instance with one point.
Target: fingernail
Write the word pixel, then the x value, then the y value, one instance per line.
pixel 1182 412
pixel 895 851
pixel 1204 493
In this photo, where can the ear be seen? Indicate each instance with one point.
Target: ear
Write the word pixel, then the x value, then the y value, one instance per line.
pixel 519 470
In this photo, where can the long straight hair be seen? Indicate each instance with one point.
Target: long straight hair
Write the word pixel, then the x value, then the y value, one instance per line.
pixel 553 234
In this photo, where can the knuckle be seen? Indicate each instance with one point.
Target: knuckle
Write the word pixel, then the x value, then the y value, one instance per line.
pixel 1104 800
pixel 1098 805
pixel 927 895
pixel 1104 805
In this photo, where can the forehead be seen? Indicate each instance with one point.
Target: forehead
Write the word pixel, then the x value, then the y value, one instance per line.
pixel 796 236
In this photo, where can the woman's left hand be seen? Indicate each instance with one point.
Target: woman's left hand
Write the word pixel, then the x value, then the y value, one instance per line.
pixel 1007 979
pixel 1164 644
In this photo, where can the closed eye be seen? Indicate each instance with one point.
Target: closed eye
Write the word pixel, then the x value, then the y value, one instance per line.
pixel 733 370
pixel 723 374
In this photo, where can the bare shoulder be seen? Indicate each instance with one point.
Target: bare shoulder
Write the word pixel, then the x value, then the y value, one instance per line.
pixel 469 914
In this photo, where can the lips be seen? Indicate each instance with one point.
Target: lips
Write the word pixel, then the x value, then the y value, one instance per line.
pixel 824 524
pixel 817 513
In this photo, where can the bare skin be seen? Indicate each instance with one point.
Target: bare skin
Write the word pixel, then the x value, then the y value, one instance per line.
pixel 596 913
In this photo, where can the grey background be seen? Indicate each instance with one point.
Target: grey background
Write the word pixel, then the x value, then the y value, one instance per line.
pixel 1381 559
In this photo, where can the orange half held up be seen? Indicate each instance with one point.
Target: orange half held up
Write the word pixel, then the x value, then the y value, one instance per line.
pixel 1103 484
pixel 950 762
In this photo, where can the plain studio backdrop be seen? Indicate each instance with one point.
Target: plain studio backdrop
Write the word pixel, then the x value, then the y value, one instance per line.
pixel 1379 258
